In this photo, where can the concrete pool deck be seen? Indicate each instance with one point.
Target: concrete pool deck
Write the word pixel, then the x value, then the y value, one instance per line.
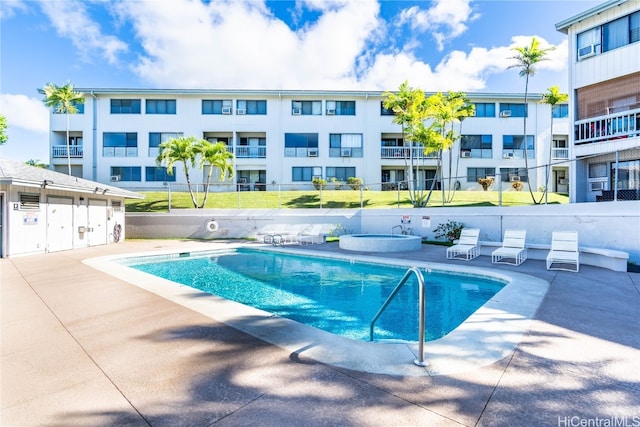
pixel 80 347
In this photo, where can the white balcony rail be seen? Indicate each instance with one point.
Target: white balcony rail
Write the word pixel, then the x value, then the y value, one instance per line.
pixel 612 126
pixel 404 153
pixel 61 151
pixel 244 152
pixel 560 153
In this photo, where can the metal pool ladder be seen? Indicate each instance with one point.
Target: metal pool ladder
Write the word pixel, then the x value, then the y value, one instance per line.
pixel 415 270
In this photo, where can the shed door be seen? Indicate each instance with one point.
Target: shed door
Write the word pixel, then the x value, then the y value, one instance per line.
pixel 59 224
pixel 97 227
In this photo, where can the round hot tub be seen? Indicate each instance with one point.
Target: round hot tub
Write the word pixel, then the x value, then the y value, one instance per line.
pixel 380 242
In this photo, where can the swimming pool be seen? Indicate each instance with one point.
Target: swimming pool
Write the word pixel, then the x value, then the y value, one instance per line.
pixel 334 295
pixel 487 336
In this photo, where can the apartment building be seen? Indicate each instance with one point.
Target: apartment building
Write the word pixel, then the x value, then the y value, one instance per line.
pixel 604 88
pixel 290 137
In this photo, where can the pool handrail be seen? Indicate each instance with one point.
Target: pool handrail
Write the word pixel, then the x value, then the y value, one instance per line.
pixel 421 291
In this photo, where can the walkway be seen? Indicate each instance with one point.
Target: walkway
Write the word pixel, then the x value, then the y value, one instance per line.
pixel 80 347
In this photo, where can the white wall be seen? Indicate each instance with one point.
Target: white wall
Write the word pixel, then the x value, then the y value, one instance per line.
pixel 611 225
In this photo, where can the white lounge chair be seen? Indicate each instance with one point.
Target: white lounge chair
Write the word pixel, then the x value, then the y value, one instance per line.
pixel 564 251
pixel 467 247
pixel 312 234
pixel 513 250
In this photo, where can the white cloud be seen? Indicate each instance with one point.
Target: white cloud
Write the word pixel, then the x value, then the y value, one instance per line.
pixel 24 113
pixel 446 19
pixel 71 20
pixel 10 7
pixel 242 45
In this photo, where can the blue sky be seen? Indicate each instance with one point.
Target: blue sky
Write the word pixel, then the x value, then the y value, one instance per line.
pixel 254 44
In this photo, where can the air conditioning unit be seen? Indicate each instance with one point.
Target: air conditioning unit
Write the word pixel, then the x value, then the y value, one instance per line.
pixel 241 111
pixel 226 110
pixel 587 51
pixel 331 112
pixel 346 152
pixel 563 181
pixel 296 111
pixel 597 185
pixel 465 154
pixel 312 153
pixel 115 178
pixel 508 156
pixel 514 178
pixel 505 113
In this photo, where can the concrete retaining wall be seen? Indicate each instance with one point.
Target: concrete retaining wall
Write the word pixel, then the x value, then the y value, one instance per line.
pixel 609 225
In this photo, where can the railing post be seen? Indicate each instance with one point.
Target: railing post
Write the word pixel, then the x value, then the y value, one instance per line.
pixel 420 360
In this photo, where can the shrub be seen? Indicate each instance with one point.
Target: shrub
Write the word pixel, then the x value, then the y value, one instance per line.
pixel 517 185
pixel 485 182
pixel 449 230
pixel 319 183
pixel 336 184
pixel 354 183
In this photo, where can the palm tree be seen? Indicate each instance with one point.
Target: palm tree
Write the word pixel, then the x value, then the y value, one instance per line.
pixel 36 163
pixel 216 155
pixel 64 100
pixel 445 111
pixel 181 149
pixel 409 106
pixel 3 130
pixel 552 97
pixel 526 58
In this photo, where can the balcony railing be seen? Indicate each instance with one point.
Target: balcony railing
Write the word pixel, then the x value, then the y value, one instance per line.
pixel 560 153
pixel 405 153
pixel 244 152
pixel 60 151
pixel 604 128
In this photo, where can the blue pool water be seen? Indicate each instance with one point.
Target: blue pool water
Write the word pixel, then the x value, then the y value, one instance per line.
pixel 337 296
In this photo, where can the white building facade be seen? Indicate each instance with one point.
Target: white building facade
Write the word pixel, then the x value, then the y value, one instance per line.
pixel 291 137
pixel 604 88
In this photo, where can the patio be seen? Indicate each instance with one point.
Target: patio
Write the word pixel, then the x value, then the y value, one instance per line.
pixel 80 347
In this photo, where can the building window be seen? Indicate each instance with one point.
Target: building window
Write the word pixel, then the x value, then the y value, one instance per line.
pixel 305 174
pixel 485 109
pixel 479 146
pixel 341 108
pixel 345 145
pixel 513 146
pixel 340 173
pixel 160 174
pixel 120 144
pixel 609 36
pixel 157 138
pixel 513 174
pixel 251 107
pixel 306 108
pixel 628 175
pixel 598 170
pixel 300 144
pixel 125 106
pixel 634 27
pixel 512 110
pixel 216 106
pixel 474 174
pixel 161 106
pixel 127 173
pixel 386 111
pixel 560 111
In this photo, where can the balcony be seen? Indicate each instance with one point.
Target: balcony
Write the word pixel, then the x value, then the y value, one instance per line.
pixel 404 153
pixel 560 153
pixel 605 128
pixel 245 152
pixel 60 151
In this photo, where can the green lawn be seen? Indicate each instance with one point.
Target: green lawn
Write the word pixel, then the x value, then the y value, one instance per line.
pixel 157 201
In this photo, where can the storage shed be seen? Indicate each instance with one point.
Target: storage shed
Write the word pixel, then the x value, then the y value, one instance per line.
pixel 46 211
